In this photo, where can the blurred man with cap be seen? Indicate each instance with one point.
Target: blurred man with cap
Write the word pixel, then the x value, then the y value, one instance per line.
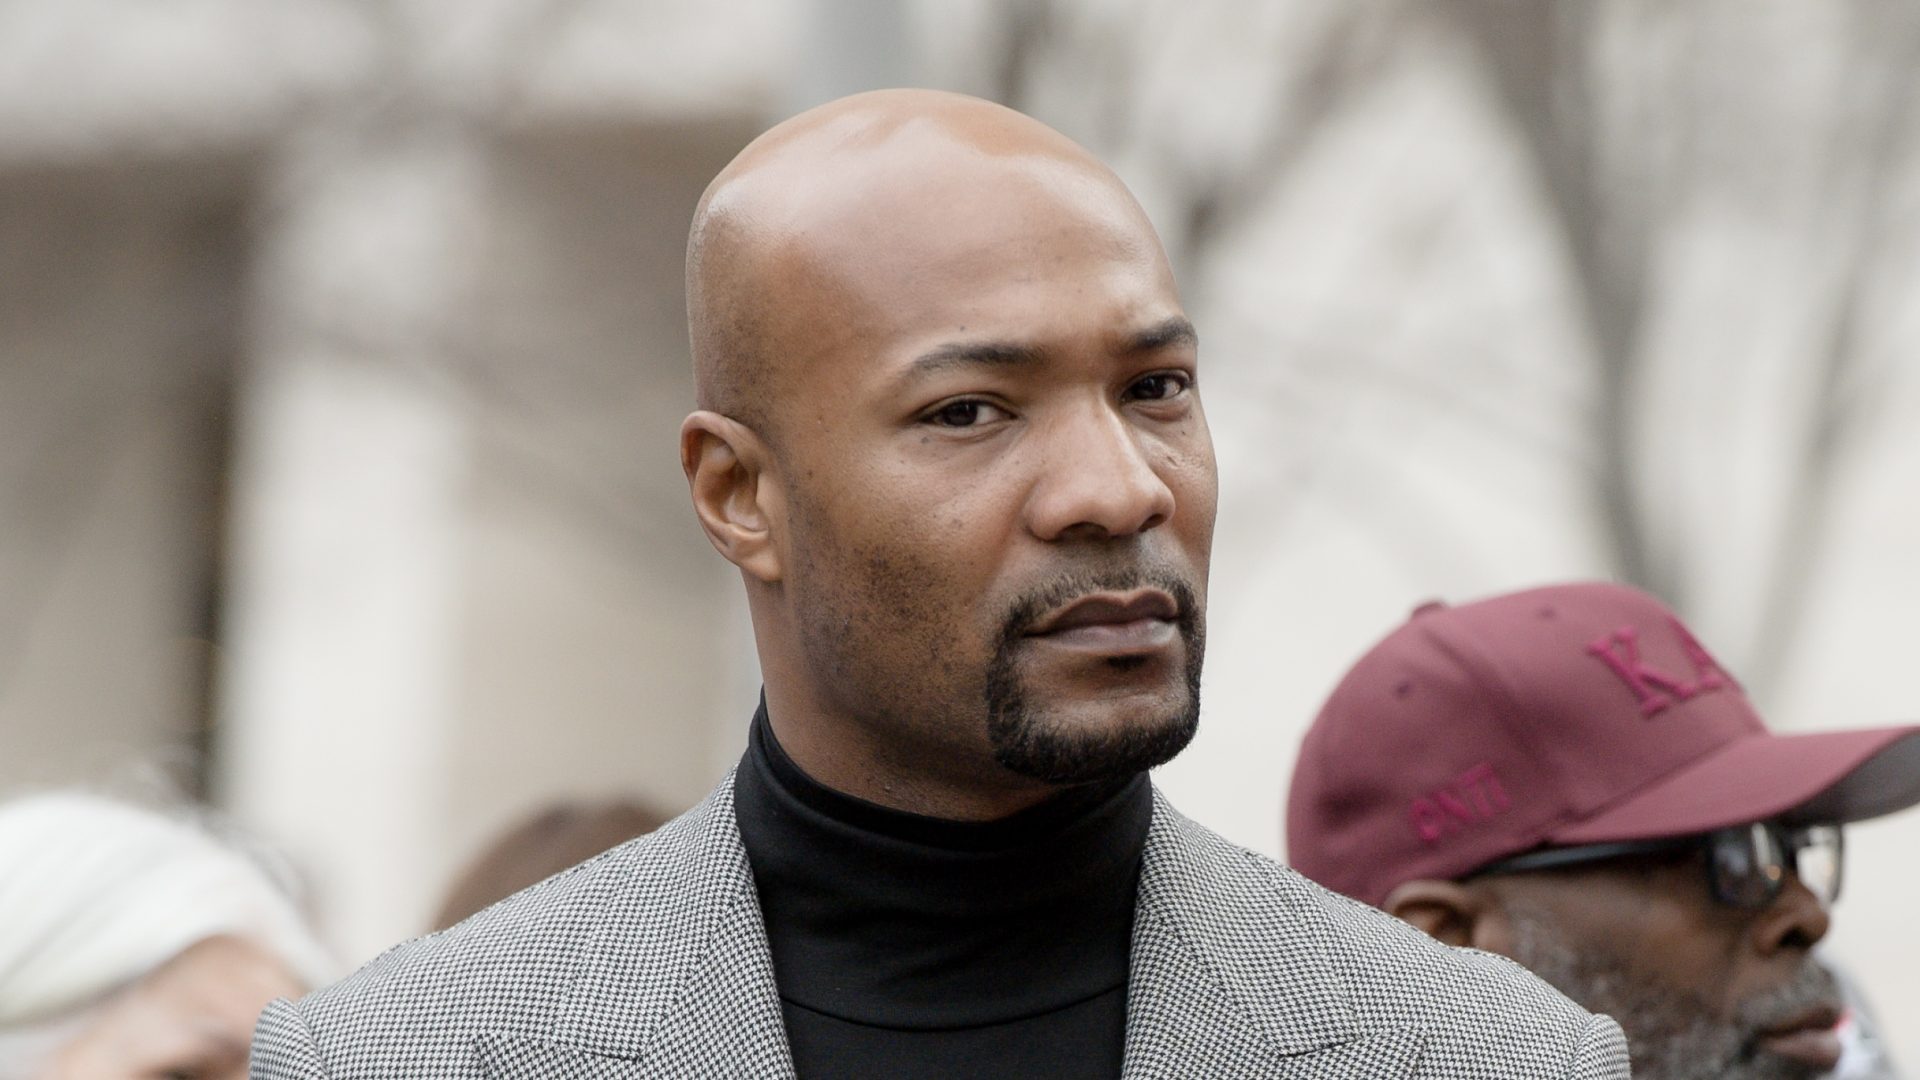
pixel 1566 776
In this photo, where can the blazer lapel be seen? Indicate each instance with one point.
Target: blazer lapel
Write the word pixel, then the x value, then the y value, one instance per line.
pixel 512 1057
pixel 1382 1055
pixel 726 1020
pixel 1232 977
pixel 678 980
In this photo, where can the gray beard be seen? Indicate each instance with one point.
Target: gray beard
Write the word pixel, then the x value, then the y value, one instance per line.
pixel 1670 1035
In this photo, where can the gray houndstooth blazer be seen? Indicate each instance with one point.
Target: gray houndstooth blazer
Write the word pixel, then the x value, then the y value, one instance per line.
pixel 651 961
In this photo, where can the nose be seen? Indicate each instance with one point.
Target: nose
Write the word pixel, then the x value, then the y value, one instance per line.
pixel 1796 920
pixel 1096 480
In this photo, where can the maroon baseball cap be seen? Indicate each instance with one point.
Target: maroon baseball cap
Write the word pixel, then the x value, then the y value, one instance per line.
pixel 1572 714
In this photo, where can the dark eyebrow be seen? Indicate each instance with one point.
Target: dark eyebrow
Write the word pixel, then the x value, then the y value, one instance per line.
pixel 970 354
pixel 1174 331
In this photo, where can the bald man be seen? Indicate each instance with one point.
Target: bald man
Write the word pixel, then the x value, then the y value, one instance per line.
pixel 950 432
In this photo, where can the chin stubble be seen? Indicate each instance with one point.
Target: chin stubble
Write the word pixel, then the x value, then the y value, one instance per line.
pixel 1025 740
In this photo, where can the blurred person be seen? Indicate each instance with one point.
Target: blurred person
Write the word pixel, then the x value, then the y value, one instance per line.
pixel 542 846
pixel 1566 776
pixel 949 431
pixel 134 944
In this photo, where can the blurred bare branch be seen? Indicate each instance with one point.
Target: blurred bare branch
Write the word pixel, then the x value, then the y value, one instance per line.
pixel 1887 82
pixel 1540 59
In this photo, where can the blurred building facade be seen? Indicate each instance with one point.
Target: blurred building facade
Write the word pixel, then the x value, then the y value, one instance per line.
pixel 342 355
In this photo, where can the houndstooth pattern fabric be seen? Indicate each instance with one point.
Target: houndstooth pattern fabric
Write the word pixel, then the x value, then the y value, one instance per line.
pixel 1243 968
pixel 652 961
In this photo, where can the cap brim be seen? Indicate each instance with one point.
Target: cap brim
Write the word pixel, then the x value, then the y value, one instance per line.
pixel 1829 777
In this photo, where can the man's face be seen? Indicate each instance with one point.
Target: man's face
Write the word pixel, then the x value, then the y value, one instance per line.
pixel 1702 989
pixel 999 480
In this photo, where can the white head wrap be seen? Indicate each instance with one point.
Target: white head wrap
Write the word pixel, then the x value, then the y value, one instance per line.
pixel 95 894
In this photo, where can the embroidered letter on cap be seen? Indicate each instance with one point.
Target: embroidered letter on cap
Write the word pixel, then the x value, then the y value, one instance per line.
pixel 1474 796
pixel 1655 689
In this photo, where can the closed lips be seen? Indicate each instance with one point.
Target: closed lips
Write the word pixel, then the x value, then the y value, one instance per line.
pixel 1809 1037
pixel 1109 609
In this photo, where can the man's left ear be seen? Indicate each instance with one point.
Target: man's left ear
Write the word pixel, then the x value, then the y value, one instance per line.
pixel 1453 912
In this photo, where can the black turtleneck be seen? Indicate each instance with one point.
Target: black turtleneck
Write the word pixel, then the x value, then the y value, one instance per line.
pixel 909 946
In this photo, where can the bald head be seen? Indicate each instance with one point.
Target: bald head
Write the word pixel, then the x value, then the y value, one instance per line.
pixel 947 386
pixel 816 227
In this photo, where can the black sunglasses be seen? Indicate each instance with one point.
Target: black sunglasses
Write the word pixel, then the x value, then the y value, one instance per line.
pixel 1747 865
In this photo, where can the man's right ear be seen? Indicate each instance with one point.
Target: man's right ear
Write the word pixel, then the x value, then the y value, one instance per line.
pixel 740 509
pixel 1449 911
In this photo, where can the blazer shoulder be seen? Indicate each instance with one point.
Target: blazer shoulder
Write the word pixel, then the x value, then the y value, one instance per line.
pixel 1395 976
pixel 510 968
pixel 1424 975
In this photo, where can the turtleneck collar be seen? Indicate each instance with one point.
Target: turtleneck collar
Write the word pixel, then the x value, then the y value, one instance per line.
pixel 908 922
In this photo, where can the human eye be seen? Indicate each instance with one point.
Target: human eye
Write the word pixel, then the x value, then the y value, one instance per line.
pixel 1159 386
pixel 965 413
